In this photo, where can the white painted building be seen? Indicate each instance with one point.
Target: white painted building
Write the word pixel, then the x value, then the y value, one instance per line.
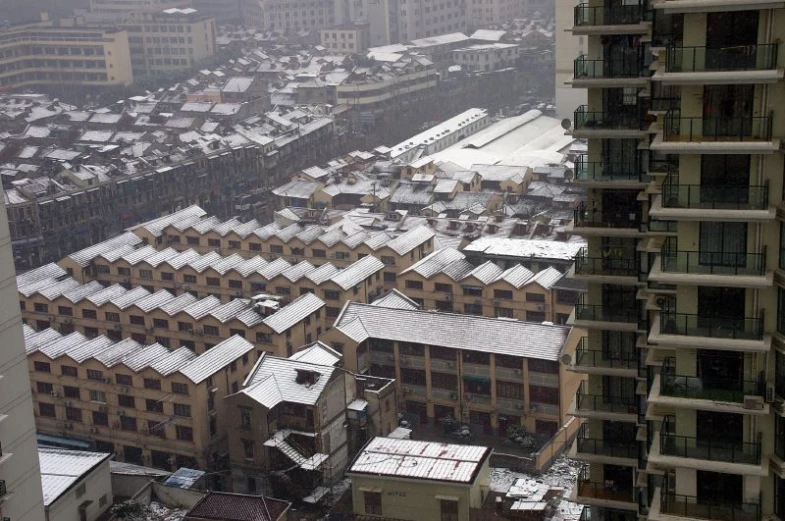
pixel 486 57
pixel 76 484
pixel 20 480
pixel 441 136
pixel 568 47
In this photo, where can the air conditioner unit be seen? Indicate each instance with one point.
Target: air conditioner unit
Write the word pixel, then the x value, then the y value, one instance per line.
pixel 150 329
pixel 390 357
pixel 94 430
pixel 199 331
pixel 519 372
pixel 68 321
pixel 540 307
pixel 68 403
pixel 70 426
pixel 186 286
pixel 448 297
pixel 238 293
pixel 106 380
pixel 103 408
pixel 407 390
pixel 753 402
pixel 450 364
pixel 519 406
pixel 770 394
pixel 120 412
pixel 496 302
pixel 533 408
pixel 55 395
pixel 123 389
pixel 453 396
pixel 118 327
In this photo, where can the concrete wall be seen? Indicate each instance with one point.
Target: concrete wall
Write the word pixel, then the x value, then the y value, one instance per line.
pixel 568 47
pixel 98 490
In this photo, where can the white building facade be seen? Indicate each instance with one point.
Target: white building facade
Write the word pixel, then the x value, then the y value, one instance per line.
pixel 568 48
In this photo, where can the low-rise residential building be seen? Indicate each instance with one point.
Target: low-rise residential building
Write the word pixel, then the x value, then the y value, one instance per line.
pixel 223 506
pixel 446 281
pixel 486 57
pixel 76 484
pixel 534 254
pixel 420 480
pixel 145 404
pixel 347 39
pixel 496 374
pixel 306 415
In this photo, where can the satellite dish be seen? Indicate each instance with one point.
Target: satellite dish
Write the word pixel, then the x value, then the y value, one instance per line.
pixel 566 123
pixel 566 359
pixel 569 175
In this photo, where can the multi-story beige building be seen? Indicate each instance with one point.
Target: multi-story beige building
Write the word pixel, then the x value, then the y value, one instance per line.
pixel 305 415
pixel 146 404
pixel 64 54
pixel 291 16
pixel 446 281
pixel 488 12
pixel 495 374
pixel 346 39
pixel 119 10
pixel 685 349
pixel 170 40
pixel 21 497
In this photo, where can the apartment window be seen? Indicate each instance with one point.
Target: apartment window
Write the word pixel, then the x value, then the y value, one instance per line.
pixel 184 433
pixel 42 367
pixel 373 503
pixel 535 316
pixel 248 448
pixel 448 510
pixel 549 395
pixel 89 314
pixel 389 276
pixel 505 294
pixel 146 274
pixel 442 288
pixel 72 392
pixel 167 276
pixel 535 297
pixel 283 290
pixel 255 246
pixel 388 260
pixel 66 311
pixel 154 406
pixel 331 295
pixel 543 366
pixel 472 309
pixel 444 381
pixel 47 410
pixel 245 418
pixel 192 241
pixel 128 423
pixel 319 254
pixel 509 390
pixel 214 243
pixel 73 414
pixel 276 248
pixel 476 357
pixel 332 312
pixel 98 396
pixel 123 379
pixel 472 291
pixel 211 330
pixel 413 376
pixel 179 388
pixel 124 272
pixel 160 323
pixel 181 409
pixel 235 284
pixel 125 400
pixel 100 418
pixel 234 245
pixel 189 279
pixel 723 244
pixel 264 338
pixel 41 308
pixel 93 374
pixel 214 281
pixel 136 320
pixel 413 284
pixel 44 388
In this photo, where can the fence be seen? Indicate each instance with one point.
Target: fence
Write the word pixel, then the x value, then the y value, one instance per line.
pixel 556 445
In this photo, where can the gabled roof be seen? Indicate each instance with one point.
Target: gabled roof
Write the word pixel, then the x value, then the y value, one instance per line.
pixel 295 312
pixel 395 299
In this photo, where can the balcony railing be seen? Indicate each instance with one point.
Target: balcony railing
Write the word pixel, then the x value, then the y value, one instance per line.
pixel 747 453
pixel 742 328
pixel 605 491
pixel 718 390
pixel 3 489
pixel 600 313
pixel 713 263
pixel 608 264
pixel 736 58
pixel 742 128
pixel 630 66
pixel 606 403
pixel 606 171
pixel 618 119
pixel 699 508
pixel 602 447
pixel 600 358
pixel 588 217
pixel 608 514
pixel 586 15
pixel 724 197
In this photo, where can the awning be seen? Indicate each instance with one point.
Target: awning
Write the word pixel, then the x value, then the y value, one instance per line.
pixel 58 441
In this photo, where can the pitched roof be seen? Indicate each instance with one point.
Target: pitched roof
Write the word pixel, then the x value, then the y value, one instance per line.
pixel 223 506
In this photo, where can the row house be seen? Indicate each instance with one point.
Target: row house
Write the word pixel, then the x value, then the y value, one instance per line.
pixel 497 375
pixel 169 320
pixel 147 405
pixel 307 415
pixel 446 281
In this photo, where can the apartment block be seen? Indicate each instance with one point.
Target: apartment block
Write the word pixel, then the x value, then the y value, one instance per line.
pixel 683 403
pixel 446 281
pixel 118 10
pixel 495 374
pixel 307 416
pixel 483 12
pixel 146 404
pixel 169 41
pixel 21 496
pixel 347 39
pixel 46 54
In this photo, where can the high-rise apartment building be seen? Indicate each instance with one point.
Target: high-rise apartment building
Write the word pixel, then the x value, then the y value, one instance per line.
pixel 21 498
pixel 683 405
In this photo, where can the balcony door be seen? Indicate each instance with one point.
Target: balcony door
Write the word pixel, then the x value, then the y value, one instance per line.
pixel 721 371
pixel 715 487
pixel 718 428
pixel 621 107
pixel 621 156
pixel 723 244
pixel 721 308
pixel 727 110
pixel 725 179
pixel 729 36
pixel 620 208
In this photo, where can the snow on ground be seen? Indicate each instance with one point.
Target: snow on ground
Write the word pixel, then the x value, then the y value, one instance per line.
pixel 340 488
pixel 159 512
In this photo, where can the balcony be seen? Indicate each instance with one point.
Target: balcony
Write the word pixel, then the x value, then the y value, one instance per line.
pixel 443 366
pixel 608 268
pixel 691 507
pixel 483 400
pixel 701 326
pixel 718 135
pixel 605 407
pixel 618 71
pixel 443 394
pixel 414 390
pixel 716 390
pixel 412 362
pixel 604 362
pixel 515 407
pixel 476 369
pixel 603 495
pixel 711 268
pixel 604 451
pixel 383 358
pixel 619 222
pixel 726 65
pixel 599 316
pixel 707 454
pixel 591 174
pixel 625 19
pixel 712 203
pixel 623 122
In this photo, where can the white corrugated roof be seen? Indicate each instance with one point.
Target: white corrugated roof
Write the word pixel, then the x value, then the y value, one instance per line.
pixel 405 243
pixel 47 271
pixel 395 299
pixel 435 262
pixel 274 380
pixel 292 314
pixel 61 468
pixel 84 257
pixel 420 460
pixel 317 353
pixel 358 272
pixel 209 362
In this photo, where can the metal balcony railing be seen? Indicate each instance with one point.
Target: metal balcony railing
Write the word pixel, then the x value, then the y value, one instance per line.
pixel 718 390
pixel 605 491
pixel 629 66
pixel 608 265
pixel 601 313
pixel 740 128
pixel 607 171
pixel 700 508
pixel 600 358
pixel 603 447
pixel 707 59
pixel 587 217
pixel 586 15
pixel 741 197
pixel 713 263
pixel 606 403
pixel 742 328
pixel 628 117
pixel 748 453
